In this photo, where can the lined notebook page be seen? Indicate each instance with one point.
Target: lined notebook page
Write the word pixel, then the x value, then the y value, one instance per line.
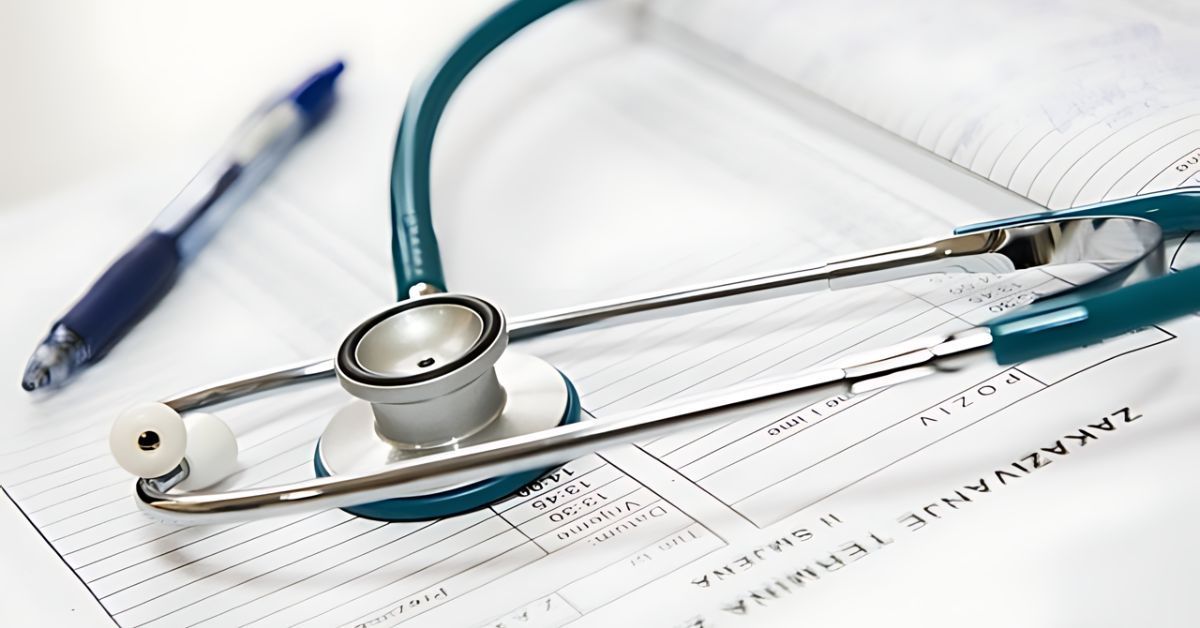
pixel 636 170
pixel 1066 103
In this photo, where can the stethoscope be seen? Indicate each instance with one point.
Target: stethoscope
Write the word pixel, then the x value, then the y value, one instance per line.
pixel 444 420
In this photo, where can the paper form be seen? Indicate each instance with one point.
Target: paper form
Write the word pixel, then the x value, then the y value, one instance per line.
pixel 702 526
pixel 1067 103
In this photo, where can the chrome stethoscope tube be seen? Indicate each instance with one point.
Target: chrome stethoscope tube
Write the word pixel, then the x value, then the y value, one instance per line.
pixel 1106 250
pixel 562 444
pixel 1107 246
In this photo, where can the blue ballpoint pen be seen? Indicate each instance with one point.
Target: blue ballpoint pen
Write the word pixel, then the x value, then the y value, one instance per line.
pixel 135 282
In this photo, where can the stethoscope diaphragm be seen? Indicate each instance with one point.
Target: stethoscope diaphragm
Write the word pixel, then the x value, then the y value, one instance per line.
pixel 431 375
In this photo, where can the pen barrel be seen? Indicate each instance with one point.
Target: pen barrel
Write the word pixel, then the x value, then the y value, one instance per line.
pixel 124 293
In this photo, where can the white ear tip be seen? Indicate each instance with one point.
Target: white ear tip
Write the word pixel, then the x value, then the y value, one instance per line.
pixel 212 451
pixel 148 440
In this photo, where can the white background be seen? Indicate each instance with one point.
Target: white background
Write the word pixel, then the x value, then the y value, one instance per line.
pixel 89 89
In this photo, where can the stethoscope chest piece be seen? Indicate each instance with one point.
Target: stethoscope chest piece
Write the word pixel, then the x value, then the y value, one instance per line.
pixel 431 375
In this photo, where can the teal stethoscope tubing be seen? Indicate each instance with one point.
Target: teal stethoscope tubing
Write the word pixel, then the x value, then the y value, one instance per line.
pixel 414 246
pixel 1046 327
pixel 415 253
pixel 1074 320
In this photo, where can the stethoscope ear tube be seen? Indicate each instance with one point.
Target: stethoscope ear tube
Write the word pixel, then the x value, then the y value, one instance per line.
pixel 425 366
pixel 1073 321
pixel 546 448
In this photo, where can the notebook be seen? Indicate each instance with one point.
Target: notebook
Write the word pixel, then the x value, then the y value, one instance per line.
pixel 629 146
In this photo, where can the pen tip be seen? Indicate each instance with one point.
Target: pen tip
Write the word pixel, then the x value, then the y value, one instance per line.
pixel 314 96
pixel 35 378
pixel 55 359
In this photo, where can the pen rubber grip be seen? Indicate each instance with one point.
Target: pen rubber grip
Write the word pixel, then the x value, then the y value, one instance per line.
pixel 126 291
